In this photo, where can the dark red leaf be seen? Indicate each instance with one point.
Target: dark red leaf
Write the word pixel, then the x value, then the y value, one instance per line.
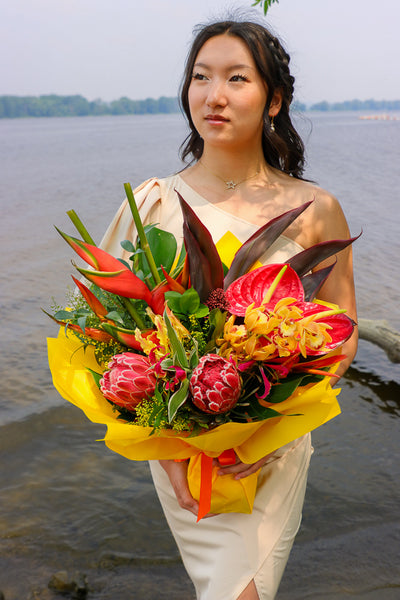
pixel 205 248
pixel 306 260
pixel 259 242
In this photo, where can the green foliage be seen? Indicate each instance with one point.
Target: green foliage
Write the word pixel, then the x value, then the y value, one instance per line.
pixel 265 4
pixel 13 107
pixel 177 399
pixel 355 104
pixel 52 105
pixel 186 304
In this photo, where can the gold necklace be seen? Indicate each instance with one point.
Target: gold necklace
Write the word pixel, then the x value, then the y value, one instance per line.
pixel 230 185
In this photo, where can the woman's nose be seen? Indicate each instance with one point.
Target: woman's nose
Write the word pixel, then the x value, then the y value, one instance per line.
pixel 216 94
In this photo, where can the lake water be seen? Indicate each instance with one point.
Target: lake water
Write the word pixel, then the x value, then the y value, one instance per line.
pixel 66 502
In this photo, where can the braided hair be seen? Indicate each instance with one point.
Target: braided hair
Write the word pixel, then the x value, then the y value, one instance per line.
pixel 282 147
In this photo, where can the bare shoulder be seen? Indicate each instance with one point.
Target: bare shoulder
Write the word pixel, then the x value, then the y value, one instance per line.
pixel 322 220
pixel 328 217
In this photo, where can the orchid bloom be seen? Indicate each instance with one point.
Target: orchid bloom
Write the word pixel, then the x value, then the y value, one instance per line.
pixel 277 322
pixel 157 342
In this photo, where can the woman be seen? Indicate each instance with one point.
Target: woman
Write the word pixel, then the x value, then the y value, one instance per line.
pixel 247 161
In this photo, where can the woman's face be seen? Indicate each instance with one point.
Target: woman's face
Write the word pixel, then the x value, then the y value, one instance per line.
pixel 227 95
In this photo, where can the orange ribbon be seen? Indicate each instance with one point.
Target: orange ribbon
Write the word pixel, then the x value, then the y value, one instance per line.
pixel 228 457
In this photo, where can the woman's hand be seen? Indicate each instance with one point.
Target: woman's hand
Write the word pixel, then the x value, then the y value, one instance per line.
pixel 177 473
pixel 241 469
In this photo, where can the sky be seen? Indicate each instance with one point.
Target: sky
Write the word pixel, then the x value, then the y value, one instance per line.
pixel 340 49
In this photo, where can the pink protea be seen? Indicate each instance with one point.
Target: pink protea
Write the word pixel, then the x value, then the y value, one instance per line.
pixel 215 384
pixel 129 380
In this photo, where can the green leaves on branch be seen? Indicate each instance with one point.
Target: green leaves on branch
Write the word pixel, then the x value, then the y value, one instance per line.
pixel 265 4
pixel 186 304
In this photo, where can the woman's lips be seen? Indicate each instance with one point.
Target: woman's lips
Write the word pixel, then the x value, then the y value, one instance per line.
pixel 216 119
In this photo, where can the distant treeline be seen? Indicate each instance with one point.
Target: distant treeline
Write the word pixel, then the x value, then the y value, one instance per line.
pixel 357 105
pixel 12 107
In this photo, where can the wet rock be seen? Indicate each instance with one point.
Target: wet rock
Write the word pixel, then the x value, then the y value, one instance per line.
pixel 73 585
pixel 41 594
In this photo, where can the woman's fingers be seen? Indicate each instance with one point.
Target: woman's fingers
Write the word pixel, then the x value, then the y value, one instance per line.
pixel 177 473
pixel 241 470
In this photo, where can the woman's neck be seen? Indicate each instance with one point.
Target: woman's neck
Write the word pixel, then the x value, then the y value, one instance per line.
pixel 232 166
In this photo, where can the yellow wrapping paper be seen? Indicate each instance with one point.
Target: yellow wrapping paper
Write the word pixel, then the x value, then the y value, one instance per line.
pixel 312 406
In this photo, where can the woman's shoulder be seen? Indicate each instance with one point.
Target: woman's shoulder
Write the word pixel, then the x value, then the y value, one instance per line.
pixel 323 219
pixel 161 185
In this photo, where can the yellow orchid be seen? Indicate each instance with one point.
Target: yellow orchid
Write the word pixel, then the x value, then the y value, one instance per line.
pixel 288 328
pixel 158 341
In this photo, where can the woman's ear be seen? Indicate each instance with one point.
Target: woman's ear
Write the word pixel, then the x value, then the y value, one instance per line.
pixel 276 103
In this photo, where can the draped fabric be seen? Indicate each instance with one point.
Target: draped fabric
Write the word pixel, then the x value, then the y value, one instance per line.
pixel 222 554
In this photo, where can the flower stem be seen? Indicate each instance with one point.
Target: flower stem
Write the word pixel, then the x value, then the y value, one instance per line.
pixel 80 227
pixel 142 236
pixel 133 312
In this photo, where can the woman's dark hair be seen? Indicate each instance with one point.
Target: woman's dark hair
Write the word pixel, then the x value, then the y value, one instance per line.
pixel 283 148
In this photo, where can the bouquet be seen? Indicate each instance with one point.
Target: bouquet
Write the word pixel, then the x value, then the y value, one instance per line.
pixel 183 356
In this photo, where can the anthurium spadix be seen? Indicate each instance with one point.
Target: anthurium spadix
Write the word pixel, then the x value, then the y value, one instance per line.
pixel 108 272
pixel 252 288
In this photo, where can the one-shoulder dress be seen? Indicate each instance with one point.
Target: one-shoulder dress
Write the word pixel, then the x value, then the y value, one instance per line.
pixel 222 554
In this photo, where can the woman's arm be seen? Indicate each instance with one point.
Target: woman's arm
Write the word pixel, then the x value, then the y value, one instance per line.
pixel 329 223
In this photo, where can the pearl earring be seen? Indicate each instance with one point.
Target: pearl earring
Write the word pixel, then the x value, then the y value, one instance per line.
pixel 272 126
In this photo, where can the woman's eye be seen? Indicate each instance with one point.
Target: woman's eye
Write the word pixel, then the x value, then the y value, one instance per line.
pixel 238 78
pixel 199 76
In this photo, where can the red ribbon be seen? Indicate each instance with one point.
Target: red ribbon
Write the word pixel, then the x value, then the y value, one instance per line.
pixel 228 457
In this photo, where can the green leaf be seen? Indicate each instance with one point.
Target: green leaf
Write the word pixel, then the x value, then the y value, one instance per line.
pixel 149 227
pixel 96 376
pixel 190 301
pixel 283 390
pixel 177 399
pixel 82 323
pixel 202 312
pixel 176 345
pixel 194 356
pixel 163 247
pixel 125 263
pixel 128 246
pixel 64 315
pixel 115 316
pixel 174 301
pixel 217 322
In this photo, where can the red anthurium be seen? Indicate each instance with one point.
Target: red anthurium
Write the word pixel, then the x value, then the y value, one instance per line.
pixel 252 288
pixel 340 326
pixel 320 363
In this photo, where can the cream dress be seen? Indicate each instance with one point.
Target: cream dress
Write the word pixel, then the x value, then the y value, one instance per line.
pixel 222 554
